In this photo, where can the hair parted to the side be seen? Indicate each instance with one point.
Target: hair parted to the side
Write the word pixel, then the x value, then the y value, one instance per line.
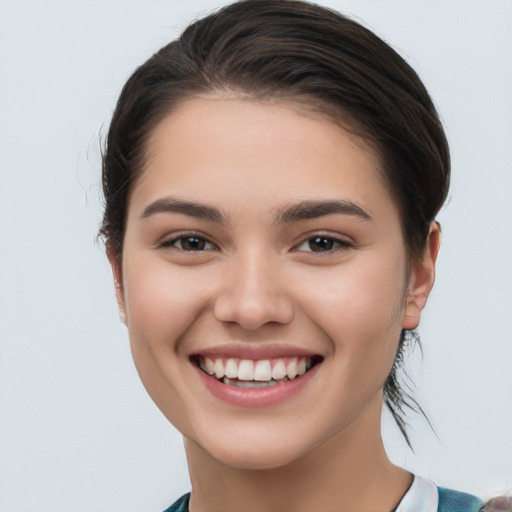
pixel 292 51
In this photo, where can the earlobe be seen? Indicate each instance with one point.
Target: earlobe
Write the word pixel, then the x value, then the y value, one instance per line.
pixel 118 283
pixel 421 279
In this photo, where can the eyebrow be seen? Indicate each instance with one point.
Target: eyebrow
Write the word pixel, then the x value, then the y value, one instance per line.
pixel 304 210
pixel 192 209
pixel 313 209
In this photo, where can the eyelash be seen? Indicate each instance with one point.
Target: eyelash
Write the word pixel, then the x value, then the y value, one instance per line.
pixel 333 244
pixel 173 243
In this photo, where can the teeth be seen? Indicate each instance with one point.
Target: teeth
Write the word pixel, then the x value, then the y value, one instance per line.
pixel 262 371
pixel 291 369
pixel 209 366
pixel 279 370
pixel 219 369
pixel 246 370
pixel 249 384
pixel 232 369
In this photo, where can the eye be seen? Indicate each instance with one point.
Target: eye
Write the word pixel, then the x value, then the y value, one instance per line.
pixel 322 243
pixel 189 243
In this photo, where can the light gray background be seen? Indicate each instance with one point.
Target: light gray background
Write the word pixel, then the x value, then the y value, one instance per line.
pixel 77 431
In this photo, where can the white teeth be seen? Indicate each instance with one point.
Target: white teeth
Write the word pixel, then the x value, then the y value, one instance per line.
pixel 259 371
pixel 301 367
pixel 263 371
pixel 246 370
pixel 249 384
pixel 279 370
pixel 219 369
pixel 291 369
pixel 209 366
pixel 231 369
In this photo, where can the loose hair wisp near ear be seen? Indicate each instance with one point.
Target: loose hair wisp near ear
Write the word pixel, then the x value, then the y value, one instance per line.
pixel 297 53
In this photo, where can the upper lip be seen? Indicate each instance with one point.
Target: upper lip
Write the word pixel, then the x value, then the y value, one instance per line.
pixel 251 350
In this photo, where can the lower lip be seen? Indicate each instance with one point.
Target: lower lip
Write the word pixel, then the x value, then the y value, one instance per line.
pixel 256 397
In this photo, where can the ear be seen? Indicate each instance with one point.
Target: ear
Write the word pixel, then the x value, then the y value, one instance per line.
pixel 117 274
pixel 421 279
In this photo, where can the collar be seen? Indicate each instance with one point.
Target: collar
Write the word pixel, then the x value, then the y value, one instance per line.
pixel 422 496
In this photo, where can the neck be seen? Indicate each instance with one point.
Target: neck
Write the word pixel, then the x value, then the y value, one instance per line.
pixel 350 472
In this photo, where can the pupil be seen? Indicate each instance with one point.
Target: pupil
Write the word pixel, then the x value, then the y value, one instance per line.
pixel 192 243
pixel 320 243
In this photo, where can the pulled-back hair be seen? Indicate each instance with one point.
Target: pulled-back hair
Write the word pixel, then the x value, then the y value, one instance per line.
pixel 292 51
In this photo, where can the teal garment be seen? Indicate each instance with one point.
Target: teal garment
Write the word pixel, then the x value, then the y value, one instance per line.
pixel 179 506
pixel 454 501
pixel 449 501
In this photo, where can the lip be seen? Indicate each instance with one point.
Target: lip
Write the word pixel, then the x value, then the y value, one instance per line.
pixel 249 351
pixel 255 397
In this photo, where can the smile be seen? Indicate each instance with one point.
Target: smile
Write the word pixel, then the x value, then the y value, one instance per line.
pixel 249 373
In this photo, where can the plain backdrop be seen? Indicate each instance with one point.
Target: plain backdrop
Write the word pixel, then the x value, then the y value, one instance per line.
pixel 77 431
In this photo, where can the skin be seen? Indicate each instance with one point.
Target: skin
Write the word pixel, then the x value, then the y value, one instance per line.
pixel 259 281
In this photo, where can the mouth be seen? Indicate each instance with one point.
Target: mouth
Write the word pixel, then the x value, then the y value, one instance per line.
pixel 255 373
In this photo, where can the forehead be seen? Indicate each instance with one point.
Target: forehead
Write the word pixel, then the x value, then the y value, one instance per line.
pixel 232 150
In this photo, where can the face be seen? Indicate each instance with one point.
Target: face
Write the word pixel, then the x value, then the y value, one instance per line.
pixel 263 247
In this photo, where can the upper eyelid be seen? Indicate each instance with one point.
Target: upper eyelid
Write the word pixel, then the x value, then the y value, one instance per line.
pixel 174 237
pixel 171 238
pixel 342 243
pixel 338 237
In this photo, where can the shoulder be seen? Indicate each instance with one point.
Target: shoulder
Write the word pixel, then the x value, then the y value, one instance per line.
pixel 179 506
pixel 455 501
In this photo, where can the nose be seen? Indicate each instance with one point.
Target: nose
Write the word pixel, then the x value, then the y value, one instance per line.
pixel 253 293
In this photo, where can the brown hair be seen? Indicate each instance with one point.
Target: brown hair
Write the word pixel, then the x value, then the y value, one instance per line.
pixel 289 50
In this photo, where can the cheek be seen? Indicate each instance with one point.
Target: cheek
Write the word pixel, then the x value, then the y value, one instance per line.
pixel 160 304
pixel 359 307
pixel 369 290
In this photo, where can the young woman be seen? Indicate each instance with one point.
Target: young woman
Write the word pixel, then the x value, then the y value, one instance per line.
pixel 271 184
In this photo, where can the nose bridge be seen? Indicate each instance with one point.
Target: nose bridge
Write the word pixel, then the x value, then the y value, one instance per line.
pixel 253 292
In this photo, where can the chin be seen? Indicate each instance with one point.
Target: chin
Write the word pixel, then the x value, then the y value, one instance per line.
pixel 256 460
pixel 254 455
